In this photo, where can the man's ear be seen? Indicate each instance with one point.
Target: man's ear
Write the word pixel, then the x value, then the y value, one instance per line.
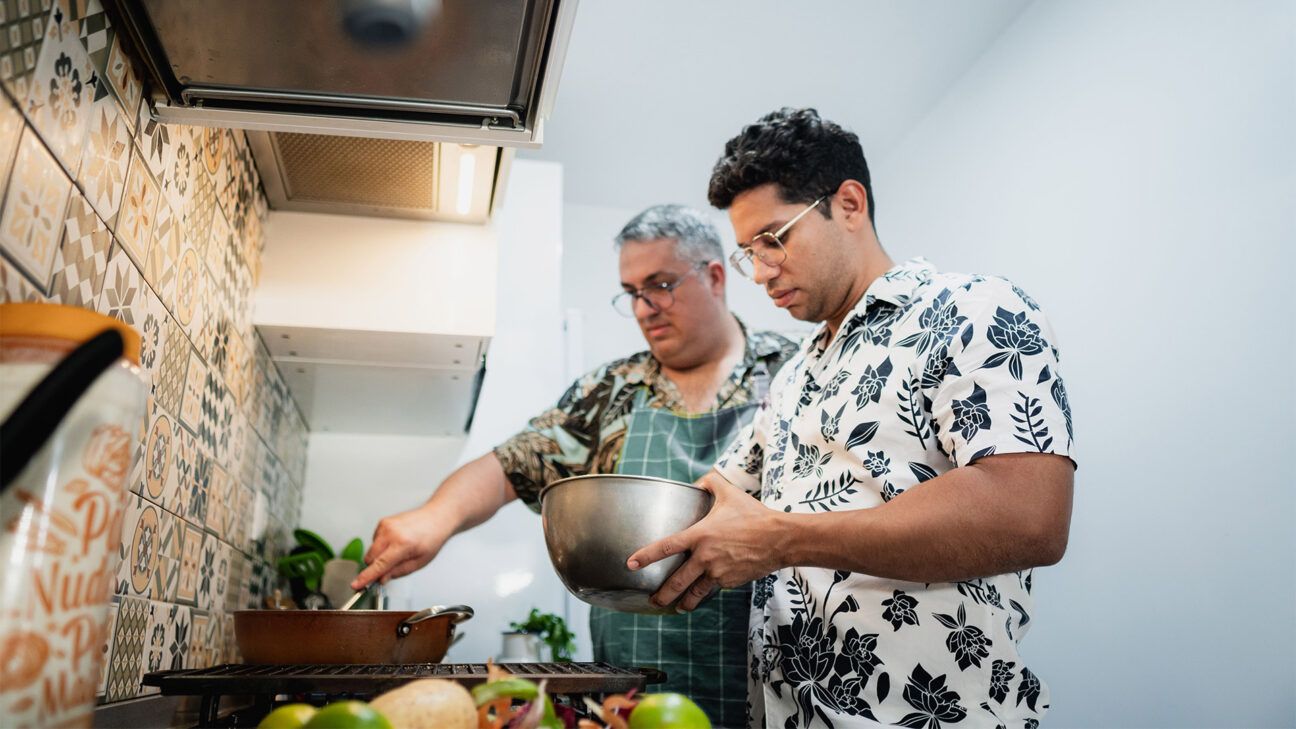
pixel 851 202
pixel 715 276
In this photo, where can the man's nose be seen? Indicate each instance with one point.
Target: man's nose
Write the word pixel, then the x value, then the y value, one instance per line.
pixel 763 272
pixel 644 310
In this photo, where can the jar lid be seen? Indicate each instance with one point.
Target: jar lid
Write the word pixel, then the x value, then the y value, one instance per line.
pixel 56 321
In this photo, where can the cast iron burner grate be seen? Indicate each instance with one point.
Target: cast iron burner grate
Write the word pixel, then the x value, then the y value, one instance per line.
pixel 360 681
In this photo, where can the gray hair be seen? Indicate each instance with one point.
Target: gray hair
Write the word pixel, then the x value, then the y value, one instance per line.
pixel 697 240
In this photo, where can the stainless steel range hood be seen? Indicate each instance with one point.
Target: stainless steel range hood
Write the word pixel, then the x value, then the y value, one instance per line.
pixel 464 71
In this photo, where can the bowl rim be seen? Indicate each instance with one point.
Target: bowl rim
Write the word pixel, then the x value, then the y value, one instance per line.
pixel 631 476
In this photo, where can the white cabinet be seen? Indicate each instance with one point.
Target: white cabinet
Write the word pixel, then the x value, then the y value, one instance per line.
pixel 378 325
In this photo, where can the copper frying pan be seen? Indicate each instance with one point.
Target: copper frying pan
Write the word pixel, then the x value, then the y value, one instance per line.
pixel 347 636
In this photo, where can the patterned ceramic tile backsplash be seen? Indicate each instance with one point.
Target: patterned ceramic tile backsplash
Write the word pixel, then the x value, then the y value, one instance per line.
pixel 159 226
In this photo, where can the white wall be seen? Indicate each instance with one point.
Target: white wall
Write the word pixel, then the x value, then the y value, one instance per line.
pixel 1133 166
pixel 501 568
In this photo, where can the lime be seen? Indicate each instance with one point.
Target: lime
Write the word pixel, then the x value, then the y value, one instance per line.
pixel 348 715
pixel 288 716
pixel 668 711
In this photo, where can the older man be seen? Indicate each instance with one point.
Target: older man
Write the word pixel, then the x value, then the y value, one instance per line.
pixel 913 462
pixel 668 412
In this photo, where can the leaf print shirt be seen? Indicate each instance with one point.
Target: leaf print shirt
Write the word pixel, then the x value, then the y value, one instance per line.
pixel 929 372
pixel 584 432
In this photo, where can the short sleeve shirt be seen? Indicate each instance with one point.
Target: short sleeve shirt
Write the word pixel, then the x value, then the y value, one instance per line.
pixel 585 431
pixel 930 371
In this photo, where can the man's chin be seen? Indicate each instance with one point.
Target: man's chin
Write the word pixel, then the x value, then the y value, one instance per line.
pixel 801 312
pixel 666 351
pixel 661 347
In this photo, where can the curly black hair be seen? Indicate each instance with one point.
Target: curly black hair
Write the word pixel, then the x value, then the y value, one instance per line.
pixel 804 155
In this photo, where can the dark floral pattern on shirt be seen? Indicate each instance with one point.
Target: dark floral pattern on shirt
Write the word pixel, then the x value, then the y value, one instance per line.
pixel 1001 675
pixel 972 414
pixel 968 643
pixel 900 610
pixel 871 383
pixel 938 321
pixel 932 699
pixel 930 372
pixel 1017 336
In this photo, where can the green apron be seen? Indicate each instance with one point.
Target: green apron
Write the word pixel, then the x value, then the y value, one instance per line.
pixel 703 652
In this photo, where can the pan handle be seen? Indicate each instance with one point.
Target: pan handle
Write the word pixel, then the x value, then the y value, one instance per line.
pixel 457 613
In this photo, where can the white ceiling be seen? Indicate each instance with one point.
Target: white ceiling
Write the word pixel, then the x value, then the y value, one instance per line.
pixel 651 90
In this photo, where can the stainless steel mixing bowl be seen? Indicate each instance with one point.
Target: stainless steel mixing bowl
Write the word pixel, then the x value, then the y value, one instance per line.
pixel 592 524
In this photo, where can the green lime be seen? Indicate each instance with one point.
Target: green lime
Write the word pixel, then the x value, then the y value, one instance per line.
pixel 288 716
pixel 668 711
pixel 348 715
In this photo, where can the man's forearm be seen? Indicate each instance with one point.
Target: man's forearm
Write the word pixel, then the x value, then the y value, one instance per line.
pixel 471 495
pixel 1000 515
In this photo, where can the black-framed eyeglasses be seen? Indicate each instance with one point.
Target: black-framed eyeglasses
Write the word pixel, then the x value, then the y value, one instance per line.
pixel 767 246
pixel 658 296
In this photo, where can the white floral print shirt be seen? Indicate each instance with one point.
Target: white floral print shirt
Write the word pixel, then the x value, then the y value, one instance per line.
pixel 929 372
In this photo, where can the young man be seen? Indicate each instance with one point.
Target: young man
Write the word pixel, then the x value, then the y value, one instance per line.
pixel 913 461
pixel 667 412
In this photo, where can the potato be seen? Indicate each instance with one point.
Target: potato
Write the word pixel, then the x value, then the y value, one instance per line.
pixel 429 703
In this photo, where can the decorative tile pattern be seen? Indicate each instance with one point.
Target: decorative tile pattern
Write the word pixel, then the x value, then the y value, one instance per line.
pixel 214 416
pixel 139 550
pixel 82 257
pixel 33 210
pixel 106 157
pixel 157 458
pixel 11 126
pixel 231 652
pixel 240 571
pixel 124 81
pixel 127 656
pixel 169 635
pixel 239 532
pixel 207 571
pixel 191 555
pixel 136 221
pixel 16 287
pixel 214 143
pixel 124 294
pixel 260 586
pixel 166 578
pixel 235 436
pixel 154 333
pixel 198 488
pixel 107 650
pixel 188 304
pixel 63 89
pixel 163 253
pixel 180 481
pixel 218 500
pixel 252 241
pixel 200 204
pixel 169 382
pixel 238 370
pixel 178 178
pixel 195 381
pixel 22 32
pixel 157 144
pixel 200 651
pixel 161 227
pixel 95 31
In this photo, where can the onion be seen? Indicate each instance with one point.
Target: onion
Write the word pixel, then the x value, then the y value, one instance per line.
pixel 430 703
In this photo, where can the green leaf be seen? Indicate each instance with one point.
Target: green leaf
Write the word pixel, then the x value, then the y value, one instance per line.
pixel 354 551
